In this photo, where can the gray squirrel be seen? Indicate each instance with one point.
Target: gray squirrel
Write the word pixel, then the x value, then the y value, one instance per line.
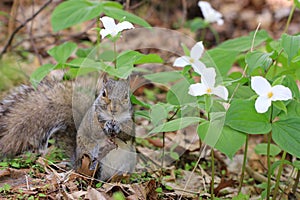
pixel 101 130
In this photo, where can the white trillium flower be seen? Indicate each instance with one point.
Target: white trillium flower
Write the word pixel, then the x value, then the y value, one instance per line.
pixel 111 28
pixel 207 85
pixel 193 60
pixel 267 93
pixel 210 15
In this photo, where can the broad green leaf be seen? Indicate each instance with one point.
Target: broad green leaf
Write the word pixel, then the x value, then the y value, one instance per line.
pixel 296 164
pixel 62 52
pixel 86 63
pixel 257 59
pixel 123 15
pixel 291 45
pixel 290 82
pixel 69 13
pixel 158 114
pixel 136 101
pixel 164 77
pixel 293 110
pixel 243 117
pixel 222 59
pixel 280 105
pixel 285 133
pixel 176 124
pixel 244 43
pixel 178 94
pixel 197 23
pixel 40 73
pixel 262 149
pixel 242 92
pixel 149 58
pixel 228 136
pixel 142 113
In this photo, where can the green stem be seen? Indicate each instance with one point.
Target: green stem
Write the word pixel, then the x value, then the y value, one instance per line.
pixel 115 54
pixel 215 33
pixel 269 165
pixel 212 174
pixel 98 38
pixel 244 164
pixel 279 173
pixel 290 18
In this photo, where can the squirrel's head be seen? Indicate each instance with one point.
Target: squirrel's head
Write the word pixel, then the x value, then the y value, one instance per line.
pixel 113 102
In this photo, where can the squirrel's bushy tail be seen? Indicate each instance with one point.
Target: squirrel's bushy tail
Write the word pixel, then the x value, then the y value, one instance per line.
pixel 28 117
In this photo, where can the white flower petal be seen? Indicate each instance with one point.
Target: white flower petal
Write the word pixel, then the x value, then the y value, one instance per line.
pixel 221 91
pixel 281 92
pixel 198 67
pixel 108 23
pixel 197 50
pixel 210 14
pixel 124 25
pixel 209 77
pixel 104 33
pixel 262 104
pixel 197 89
pixel 205 8
pixel 260 85
pixel 182 61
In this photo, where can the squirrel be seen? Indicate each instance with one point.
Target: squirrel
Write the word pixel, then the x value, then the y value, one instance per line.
pixel 99 131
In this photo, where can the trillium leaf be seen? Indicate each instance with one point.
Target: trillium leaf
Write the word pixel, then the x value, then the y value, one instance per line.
pixel 262 149
pixel 285 133
pixel 69 13
pixel 164 77
pixel 40 73
pixel 243 117
pixel 176 124
pixel 291 45
pixel 229 142
pixel 257 59
pixel 62 52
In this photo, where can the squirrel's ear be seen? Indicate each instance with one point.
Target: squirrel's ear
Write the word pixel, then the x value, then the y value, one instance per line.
pixel 104 77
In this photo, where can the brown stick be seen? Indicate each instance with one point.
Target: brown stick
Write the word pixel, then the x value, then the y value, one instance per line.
pixel 21 26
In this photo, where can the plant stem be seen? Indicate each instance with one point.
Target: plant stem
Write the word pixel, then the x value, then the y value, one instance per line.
pixel 290 18
pixel 212 174
pixel 279 173
pixel 244 164
pixel 115 54
pixel 269 165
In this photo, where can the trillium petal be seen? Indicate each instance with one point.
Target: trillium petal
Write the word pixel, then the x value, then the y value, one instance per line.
pixel 197 50
pixel 124 25
pixel 281 92
pixel 260 85
pixel 182 61
pixel 197 89
pixel 221 91
pixel 205 8
pixel 198 67
pixel 220 21
pixel 209 77
pixel 104 33
pixel 262 104
pixel 108 23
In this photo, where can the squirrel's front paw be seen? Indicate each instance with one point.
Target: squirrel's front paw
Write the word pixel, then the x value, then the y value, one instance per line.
pixel 111 128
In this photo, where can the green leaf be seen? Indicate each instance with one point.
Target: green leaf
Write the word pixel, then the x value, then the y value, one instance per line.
pixel 176 124
pixel 69 13
pixel 290 82
pixel 280 105
pixel 136 101
pixel 197 23
pixel 285 133
pixel 62 52
pixel 164 77
pixel 40 73
pixel 228 136
pixel 243 117
pixel 149 58
pixel 158 114
pixel 178 94
pixel 261 149
pixel 257 59
pixel 119 14
pixel 291 45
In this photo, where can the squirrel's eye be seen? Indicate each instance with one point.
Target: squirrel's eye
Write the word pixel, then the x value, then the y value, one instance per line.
pixel 104 94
